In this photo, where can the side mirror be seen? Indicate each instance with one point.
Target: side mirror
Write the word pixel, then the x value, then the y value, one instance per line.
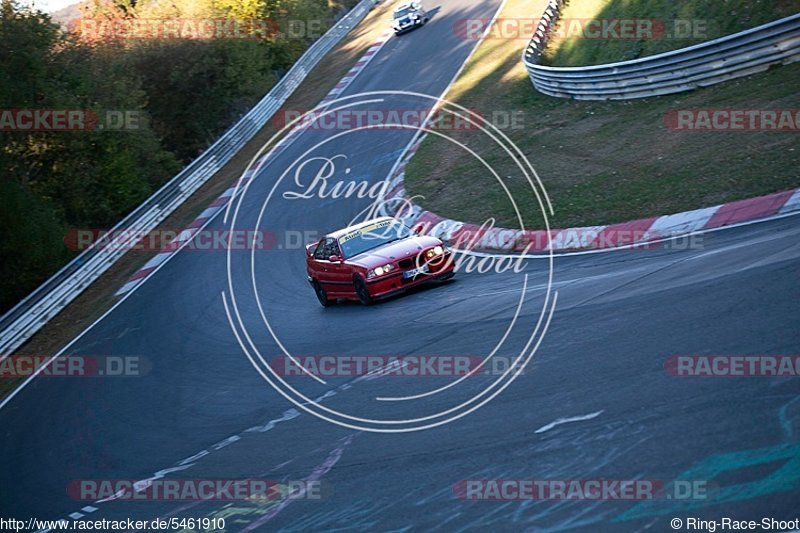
pixel 335 259
pixel 418 229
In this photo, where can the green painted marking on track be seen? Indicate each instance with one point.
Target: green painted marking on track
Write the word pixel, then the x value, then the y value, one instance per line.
pixel 783 479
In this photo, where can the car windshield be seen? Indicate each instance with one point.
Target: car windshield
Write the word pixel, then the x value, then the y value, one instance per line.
pixel 402 12
pixel 363 239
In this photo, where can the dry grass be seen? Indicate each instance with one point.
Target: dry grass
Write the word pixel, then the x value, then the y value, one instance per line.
pixel 600 162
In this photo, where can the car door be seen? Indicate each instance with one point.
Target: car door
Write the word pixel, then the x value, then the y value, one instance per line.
pixel 315 269
pixel 330 274
pixel 340 273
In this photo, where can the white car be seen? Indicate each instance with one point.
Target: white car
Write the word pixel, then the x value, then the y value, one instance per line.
pixel 408 16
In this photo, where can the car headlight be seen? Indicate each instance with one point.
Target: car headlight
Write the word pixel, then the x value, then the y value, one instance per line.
pixel 381 270
pixel 433 252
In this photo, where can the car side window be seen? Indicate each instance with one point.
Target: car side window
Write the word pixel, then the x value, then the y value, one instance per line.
pixel 326 248
pixel 335 249
pixel 319 253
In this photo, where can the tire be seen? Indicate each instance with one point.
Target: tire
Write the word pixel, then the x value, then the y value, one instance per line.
pixel 322 296
pixel 362 291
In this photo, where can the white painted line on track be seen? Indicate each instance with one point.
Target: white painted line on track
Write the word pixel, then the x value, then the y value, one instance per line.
pixel 560 421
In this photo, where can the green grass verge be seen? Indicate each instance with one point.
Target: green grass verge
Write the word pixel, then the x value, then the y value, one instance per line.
pixel 675 25
pixel 600 162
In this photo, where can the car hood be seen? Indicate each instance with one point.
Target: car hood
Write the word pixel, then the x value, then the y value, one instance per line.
pixel 394 251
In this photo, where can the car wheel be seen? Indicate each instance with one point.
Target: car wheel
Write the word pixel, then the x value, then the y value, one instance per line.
pixel 362 291
pixel 322 296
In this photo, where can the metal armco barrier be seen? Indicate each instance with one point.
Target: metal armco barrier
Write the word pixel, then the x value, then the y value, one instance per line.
pixel 741 54
pixel 29 315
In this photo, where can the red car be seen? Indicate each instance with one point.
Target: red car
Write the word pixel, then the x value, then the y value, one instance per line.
pixel 374 259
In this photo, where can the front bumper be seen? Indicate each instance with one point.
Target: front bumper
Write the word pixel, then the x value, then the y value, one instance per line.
pixel 402 28
pixel 394 283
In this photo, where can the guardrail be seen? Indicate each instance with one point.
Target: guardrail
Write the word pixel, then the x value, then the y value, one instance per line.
pixel 741 54
pixel 33 312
